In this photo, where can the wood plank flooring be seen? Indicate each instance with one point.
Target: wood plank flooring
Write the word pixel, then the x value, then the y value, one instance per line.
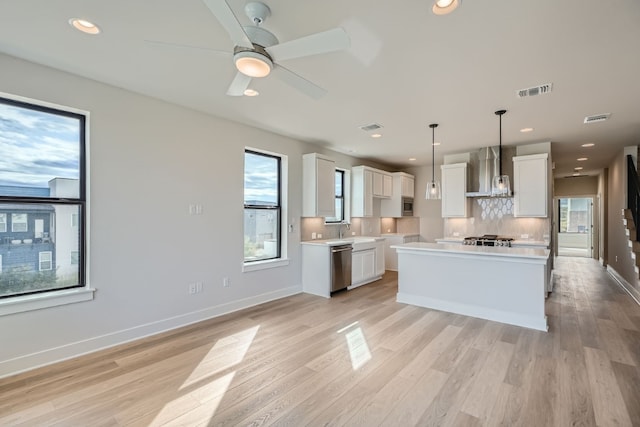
pixel 359 359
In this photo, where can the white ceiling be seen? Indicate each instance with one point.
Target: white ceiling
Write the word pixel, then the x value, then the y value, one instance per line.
pixel 406 68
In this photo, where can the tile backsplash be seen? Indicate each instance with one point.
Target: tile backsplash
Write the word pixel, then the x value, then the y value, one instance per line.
pixel 495 216
pixel 360 226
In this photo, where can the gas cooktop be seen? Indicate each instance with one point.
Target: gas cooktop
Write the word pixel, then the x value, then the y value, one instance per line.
pixel 488 240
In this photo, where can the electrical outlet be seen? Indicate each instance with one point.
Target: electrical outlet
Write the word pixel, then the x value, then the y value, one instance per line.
pixel 456 234
pixel 319 236
pixel 524 236
pixel 225 282
pixel 198 287
pixel 313 236
pixel 192 288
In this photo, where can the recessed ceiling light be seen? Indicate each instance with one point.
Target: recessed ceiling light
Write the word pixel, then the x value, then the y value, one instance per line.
pixel 376 135
pixel 251 92
pixel 582 159
pixel 579 168
pixel 85 26
pixel 436 143
pixel 588 145
pixel 524 130
pixel 412 159
pixel 443 7
pixel 576 174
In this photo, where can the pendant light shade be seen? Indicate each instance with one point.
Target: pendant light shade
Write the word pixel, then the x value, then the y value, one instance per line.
pixel 500 186
pixel 433 186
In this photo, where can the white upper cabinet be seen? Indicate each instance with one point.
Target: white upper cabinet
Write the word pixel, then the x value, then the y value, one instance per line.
pixel 454 186
pixel 530 185
pixel 382 184
pixel 403 186
pixel 362 192
pixel 319 186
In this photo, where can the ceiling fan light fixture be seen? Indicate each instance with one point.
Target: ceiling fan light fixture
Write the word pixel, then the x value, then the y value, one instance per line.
pixel 444 7
pixel 252 64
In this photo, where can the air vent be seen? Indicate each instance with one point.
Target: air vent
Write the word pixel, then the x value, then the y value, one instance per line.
pixel 372 126
pixel 597 118
pixel 534 91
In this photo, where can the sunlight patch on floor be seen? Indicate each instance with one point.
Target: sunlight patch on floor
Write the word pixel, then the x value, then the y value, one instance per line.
pixel 357 344
pixel 226 353
pixel 194 407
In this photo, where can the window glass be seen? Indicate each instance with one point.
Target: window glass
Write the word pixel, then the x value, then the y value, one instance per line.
pixel 42 198
pixel 339 216
pixel 262 208
pixel 38 145
pixel 574 215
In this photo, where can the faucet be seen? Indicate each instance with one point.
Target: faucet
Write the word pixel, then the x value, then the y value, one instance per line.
pixel 340 231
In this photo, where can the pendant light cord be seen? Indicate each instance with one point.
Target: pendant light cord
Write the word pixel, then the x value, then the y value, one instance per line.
pixel 500 113
pixel 433 127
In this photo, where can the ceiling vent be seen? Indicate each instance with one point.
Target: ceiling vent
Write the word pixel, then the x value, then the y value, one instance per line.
pixel 597 118
pixel 534 91
pixel 371 127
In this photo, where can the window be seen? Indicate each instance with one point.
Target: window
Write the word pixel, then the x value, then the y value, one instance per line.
pixel 42 193
pixel 75 256
pixel 262 206
pixel 340 183
pixel 45 261
pixel 574 215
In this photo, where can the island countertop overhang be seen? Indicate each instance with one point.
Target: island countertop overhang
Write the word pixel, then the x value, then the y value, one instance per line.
pixel 495 252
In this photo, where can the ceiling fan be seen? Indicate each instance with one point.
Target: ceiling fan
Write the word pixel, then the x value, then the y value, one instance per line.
pixel 257 52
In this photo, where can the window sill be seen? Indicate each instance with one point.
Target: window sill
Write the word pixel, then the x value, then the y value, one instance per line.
pixel 44 300
pixel 263 265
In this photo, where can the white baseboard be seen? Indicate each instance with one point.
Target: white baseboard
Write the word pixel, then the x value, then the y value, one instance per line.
pixel 631 290
pixel 68 351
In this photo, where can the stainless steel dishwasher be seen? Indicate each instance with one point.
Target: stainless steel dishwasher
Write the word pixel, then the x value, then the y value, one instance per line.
pixel 340 267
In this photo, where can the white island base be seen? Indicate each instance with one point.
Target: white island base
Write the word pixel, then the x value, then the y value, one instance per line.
pixel 502 284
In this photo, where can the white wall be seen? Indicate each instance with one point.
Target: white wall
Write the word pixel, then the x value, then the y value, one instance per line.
pixel 429 211
pixel 148 161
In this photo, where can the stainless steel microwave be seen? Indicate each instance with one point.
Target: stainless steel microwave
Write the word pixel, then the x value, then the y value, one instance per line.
pixel 407 206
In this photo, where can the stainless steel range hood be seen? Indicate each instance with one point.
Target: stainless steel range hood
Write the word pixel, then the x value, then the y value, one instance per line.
pixel 485 164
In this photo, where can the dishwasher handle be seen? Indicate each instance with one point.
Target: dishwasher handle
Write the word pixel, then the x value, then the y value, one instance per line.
pixel 341 249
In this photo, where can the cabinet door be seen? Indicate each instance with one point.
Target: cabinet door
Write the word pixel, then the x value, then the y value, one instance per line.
pixel 387 185
pixel 380 258
pixel 530 186
pixel 369 263
pixel 357 263
pixel 378 184
pixel 361 194
pixel 407 187
pixel 454 187
pixel 326 186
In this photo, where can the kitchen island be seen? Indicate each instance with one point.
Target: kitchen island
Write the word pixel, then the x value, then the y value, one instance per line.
pixel 496 283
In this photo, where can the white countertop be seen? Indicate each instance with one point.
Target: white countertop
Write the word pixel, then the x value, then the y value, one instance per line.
pixel 400 234
pixel 343 241
pixel 523 242
pixel 489 251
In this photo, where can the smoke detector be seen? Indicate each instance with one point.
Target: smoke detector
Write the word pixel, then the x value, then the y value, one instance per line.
pixel 534 91
pixel 597 118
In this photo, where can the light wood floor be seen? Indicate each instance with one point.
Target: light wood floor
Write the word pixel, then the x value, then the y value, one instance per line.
pixel 359 359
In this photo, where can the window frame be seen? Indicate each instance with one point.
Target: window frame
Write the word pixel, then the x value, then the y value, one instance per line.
pixel 249 265
pixel 3 224
pixel 14 222
pixel 343 215
pixel 81 291
pixel 40 260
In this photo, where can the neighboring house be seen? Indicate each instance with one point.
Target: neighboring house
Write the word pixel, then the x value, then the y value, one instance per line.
pixel 39 237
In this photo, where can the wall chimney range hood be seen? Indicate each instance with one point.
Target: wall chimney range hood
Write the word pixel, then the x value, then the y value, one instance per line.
pixel 484 166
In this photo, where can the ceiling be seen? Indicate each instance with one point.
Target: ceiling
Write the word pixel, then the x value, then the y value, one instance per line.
pixel 406 68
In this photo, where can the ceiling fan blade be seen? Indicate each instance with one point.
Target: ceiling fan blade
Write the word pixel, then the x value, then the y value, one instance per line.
pixel 239 84
pixel 225 16
pixel 326 41
pixel 298 82
pixel 169 45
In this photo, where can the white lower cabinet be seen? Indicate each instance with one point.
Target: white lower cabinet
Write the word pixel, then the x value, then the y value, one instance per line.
pixel 367 262
pixel 390 255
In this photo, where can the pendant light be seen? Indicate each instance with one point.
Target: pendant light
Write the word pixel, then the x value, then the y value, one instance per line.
pixel 433 186
pixel 500 186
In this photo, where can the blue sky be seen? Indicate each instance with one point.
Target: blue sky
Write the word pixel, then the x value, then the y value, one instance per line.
pixel 36 147
pixel 260 179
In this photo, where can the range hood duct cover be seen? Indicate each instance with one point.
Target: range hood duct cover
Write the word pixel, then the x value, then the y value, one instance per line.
pixel 485 164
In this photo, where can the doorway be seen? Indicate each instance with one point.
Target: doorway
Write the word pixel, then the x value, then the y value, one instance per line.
pixel 575 226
